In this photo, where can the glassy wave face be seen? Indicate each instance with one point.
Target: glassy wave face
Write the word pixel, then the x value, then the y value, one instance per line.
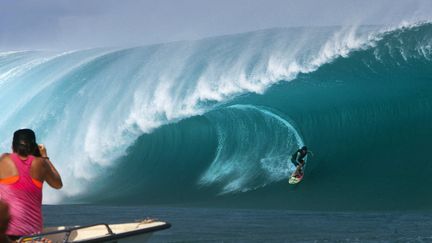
pixel 215 121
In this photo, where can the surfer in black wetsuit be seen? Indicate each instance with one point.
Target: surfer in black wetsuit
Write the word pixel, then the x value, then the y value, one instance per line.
pixel 298 159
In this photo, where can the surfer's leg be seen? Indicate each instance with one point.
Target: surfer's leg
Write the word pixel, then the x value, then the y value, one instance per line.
pixel 302 166
pixel 296 173
pixel 299 168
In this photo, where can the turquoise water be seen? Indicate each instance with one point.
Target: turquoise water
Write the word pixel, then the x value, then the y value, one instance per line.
pixel 214 122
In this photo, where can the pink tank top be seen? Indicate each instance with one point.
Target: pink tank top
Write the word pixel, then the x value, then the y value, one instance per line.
pixel 24 199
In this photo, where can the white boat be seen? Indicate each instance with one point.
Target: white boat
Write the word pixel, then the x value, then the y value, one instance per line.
pixel 121 233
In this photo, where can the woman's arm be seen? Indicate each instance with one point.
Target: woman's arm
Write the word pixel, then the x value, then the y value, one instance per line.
pixel 52 177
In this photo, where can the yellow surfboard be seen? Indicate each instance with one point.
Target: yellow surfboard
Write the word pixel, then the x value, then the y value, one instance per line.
pixel 295 179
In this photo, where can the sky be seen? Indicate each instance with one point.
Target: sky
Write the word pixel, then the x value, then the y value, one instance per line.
pixel 72 24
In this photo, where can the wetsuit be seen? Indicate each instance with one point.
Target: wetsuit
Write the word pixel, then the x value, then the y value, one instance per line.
pixel 298 158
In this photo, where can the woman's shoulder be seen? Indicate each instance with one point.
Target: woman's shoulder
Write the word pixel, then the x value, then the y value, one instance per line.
pixel 6 165
pixel 39 163
pixel 38 160
pixel 4 156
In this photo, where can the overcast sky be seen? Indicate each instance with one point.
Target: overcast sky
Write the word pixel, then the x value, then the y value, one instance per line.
pixel 51 24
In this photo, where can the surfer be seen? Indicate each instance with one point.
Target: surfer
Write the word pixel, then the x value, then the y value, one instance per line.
pixel 21 177
pixel 298 159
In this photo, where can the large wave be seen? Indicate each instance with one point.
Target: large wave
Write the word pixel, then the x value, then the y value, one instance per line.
pixel 212 119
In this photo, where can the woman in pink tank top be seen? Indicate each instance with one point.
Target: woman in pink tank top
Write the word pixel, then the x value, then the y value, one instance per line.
pixel 21 178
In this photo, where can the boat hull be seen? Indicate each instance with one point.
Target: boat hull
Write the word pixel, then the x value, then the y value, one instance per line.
pixel 124 233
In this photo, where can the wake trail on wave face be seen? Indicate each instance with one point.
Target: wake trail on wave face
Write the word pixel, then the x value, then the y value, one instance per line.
pixel 254 149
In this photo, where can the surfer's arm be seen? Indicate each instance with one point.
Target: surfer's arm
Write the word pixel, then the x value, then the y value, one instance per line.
pixel 294 156
pixel 297 154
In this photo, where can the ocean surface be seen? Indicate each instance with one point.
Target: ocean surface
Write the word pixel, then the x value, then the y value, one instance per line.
pixel 212 123
pixel 196 224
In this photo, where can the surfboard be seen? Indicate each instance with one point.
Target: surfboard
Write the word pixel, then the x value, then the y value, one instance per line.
pixel 294 180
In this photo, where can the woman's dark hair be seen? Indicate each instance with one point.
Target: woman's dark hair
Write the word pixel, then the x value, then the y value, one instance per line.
pixel 24 142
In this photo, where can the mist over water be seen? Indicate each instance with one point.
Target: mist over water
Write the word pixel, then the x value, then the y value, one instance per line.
pixel 216 120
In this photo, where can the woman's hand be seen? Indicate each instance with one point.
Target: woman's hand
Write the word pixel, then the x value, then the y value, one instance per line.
pixel 42 150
